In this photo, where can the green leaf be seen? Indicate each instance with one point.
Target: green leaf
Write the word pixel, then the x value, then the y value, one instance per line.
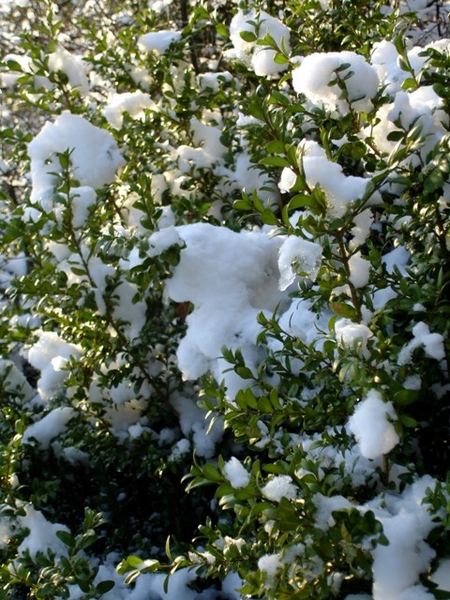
pixel 408 422
pixel 66 538
pixel 300 201
pixel 133 561
pixel 244 372
pixel 344 310
pixel 409 84
pixel 212 473
pixel 286 516
pixel 104 586
pixel 222 30
pixel 244 205
pixel 268 217
pixel 275 147
pixel 280 59
pixel 274 161
pixel 248 36
pixel 396 136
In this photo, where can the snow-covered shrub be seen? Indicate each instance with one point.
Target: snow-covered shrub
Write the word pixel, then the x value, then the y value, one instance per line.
pixel 224 261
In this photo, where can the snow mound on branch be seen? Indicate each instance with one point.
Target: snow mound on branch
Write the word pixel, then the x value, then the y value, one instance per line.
pixel 236 473
pixel 42 534
pixel 281 486
pixel 406 523
pixel 370 425
pixel 51 354
pixel 298 256
pixel 229 278
pixel 340 190
pixel 158 41
pixel 133 103
pixel 258 57
pixel 432 343
pixel 72 66
pixel 49 427
pixel 322 76
pixel 95 156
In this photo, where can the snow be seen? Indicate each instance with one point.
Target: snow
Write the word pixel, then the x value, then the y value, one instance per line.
pixel 236 473
pixel 81 199
pixel 194 426
pixel 325 506
pixel 442 575
pixel 406 523
pixel 359 270
pixel 316 78
pixel 372 427
pixel 280 486
pixel 421 108
pixel 159 41
pixel 229 278
pixel 47 428
pixel 51 355
pixel 42 534
pixel 349 333
pixel 340 190
pixel 72 66
pixel 133 103
pixel 94 156
pixel 13 382
pixel 258 57
pixel 269 564
pixel 432 343
pixel 298 256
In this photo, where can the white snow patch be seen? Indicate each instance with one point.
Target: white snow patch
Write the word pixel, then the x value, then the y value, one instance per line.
pixel 229 278
pixel 51 355
pixel 298 256
pixel 269 564
pixel 236 473
pixel 359 270
pixel 349 333
pixel 432 343
pixel 94 156
pixel 72 66
pixel 370 425
pixel 132 103
pixel 316 78
pixel 406 523
pixel 42 534
pixel 49 427
pixel 159 41
pixel 258 57
pixel 280 486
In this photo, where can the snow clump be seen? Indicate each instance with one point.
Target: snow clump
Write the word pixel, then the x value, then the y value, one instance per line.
pixel 229 278
pixel 94 157
pixel 372 427
pixel 318 75
pixel 298 256
pixel 46 429
pixel 258 57
pixel 432 343
pixel 340 190
pixel 61 60
pixel 236 473
pixel 406 523
pixel 159 41
pixel 280 486
pixel 51 355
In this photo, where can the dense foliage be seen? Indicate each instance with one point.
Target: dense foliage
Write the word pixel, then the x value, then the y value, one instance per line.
pixel 224 268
